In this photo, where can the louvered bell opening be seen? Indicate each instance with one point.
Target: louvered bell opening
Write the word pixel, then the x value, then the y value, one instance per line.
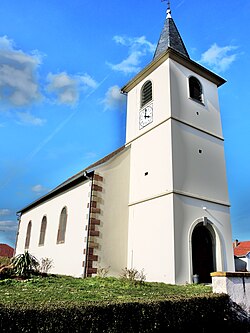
pixel 146 93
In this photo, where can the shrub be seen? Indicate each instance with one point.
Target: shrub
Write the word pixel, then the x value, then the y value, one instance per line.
pixel 4 261
pixel 45 265
pixel 103 271
pixel 25 264
pixel 201 314
pixel 133 275
pixel 6 271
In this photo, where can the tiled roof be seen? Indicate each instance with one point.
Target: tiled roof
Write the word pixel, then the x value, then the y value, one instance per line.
pixel 242 249
pixel 6 251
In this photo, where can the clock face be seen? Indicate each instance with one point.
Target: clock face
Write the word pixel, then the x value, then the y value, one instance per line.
pixel 145 116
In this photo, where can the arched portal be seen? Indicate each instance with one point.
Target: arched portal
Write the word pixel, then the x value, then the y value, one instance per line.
pixel 202 253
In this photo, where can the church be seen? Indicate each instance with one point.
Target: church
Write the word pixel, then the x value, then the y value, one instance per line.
pixel 160 202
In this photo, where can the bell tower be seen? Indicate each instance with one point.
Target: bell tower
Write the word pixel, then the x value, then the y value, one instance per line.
pixel 179 211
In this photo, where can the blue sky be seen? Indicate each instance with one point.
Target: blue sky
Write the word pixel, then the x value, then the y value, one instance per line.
pixel 61 67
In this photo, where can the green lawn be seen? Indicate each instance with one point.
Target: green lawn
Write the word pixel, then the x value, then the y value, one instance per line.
pixel 63 289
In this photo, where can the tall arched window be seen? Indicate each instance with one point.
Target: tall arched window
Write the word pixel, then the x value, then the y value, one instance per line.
pixel 195 89
pixel 62 226
pixel 28 233
pixel 146 93
pixel 43 231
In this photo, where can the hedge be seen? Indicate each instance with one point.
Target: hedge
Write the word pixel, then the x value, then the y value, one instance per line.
pixel 197 314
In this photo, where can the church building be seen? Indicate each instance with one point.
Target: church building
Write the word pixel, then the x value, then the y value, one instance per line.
pixel 160 202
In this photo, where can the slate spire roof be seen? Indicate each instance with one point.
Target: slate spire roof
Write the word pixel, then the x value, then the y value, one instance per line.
pixel 170 38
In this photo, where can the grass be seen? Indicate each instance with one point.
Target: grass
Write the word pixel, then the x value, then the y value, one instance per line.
pixel 56 290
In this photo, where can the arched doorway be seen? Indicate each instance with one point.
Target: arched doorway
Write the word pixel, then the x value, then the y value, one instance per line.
pixel 202 253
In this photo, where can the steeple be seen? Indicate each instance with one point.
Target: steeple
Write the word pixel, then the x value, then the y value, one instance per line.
pixel 170 38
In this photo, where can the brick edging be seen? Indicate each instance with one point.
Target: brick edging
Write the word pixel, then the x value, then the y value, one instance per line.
pixel 94 222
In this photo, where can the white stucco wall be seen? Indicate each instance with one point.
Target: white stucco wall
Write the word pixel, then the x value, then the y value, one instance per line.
pixel 198 173
pixel 151 166
pixel 188 213
pixel 161 102
pixel 67 257
pixel 185 109
pixel 181 151
pixel 246 259
pixel 113 240
pixel 151 242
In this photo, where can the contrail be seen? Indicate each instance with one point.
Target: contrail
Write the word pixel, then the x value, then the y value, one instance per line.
pixel 60 126
pixel 18 171
pixel 50 137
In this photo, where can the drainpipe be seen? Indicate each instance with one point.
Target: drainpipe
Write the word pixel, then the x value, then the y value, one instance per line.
pixel 88 225
pixel 18 228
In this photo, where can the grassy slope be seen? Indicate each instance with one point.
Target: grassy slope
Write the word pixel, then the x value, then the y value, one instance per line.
pixel 61 289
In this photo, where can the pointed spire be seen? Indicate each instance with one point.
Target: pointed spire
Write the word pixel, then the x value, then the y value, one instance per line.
pixel 170 37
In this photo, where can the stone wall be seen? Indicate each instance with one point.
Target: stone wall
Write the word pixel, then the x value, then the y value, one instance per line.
pixel 236 285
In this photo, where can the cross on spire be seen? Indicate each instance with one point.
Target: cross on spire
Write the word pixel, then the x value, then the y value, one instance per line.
pixel 170 37
pixel 168 8
pixel 168 3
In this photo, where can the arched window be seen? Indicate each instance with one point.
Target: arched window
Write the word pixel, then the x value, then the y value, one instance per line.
pixel 43 231
pixel 195 89
pixel 28 233
pixel 146 93
pixel 62 226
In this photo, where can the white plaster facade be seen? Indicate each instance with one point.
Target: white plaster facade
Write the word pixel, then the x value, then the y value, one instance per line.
pixel 68 256
pixel 242 261
pixel 168 181
pixel 177 169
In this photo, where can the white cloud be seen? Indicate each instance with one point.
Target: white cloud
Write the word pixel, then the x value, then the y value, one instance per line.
pixel 18 75
pixel 138 47
pixel 67 87
pixel 64 87
pixel 27 118
pixel 8 225
pixel 6 43
pixel 129 65
pixel 90 155
pixel 88 81
pixel 135 43
pixel 114 99
pixel 38 189
pixel 219 58
pixel 4 212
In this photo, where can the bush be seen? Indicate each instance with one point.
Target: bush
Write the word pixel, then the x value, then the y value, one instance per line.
pixel 25 264
pixel 133 275
pixel 45 265
pixel 4 261
pixel 200 314
pixel 6 272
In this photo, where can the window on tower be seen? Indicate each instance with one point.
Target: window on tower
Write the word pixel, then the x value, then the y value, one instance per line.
pixel 146 93
pixel 62 226
pixel 195 89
